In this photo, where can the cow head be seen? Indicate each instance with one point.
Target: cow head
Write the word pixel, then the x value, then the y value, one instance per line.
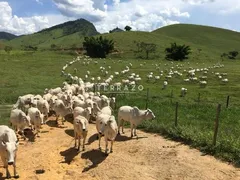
pixel 82 124
pixel 10 149
pixel 149 114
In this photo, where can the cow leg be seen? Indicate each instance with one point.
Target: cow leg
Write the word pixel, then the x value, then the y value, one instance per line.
pixel 119 126
pixel 99 141
pixel 63 119
pixel 38 130
pixel 131 130
pixel 57 119
pixel 5 165
pixel 75 137
pixel 84 139
pixel 15 169
pixel 135 128
pixel 106 145
pixel 23 136
pixel 122 126
pixel 111 148
pixel 79 143
pixel 8 176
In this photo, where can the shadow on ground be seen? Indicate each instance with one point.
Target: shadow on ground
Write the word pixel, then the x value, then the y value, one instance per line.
pixel 92 138
pixel 69 155
pixel 95 156
pixel 70 132
pixel 2 177
pixel 29 135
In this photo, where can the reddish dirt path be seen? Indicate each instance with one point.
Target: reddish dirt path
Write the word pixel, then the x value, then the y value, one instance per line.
pixel 150 157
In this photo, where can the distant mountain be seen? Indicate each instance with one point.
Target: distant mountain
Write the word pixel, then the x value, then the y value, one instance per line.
pixel 116 30
pixel 68 34
pixel 7 36
pixel 71 27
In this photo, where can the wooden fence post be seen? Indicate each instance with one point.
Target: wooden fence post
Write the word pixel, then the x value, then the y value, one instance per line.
pixel 147 98
pixel 216 125
pixel 94 88
pixel 176 114
pixel 115 107
pixel 228 97
pixel 171 96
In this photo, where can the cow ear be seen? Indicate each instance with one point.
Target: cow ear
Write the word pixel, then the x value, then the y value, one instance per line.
pixel 20 115
pixel 3 143
pixel 17 142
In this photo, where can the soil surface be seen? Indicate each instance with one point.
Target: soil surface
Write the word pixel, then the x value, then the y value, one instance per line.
pixel 148 157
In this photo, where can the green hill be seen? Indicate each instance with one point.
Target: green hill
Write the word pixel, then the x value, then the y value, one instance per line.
pixel 6 36
pixel 206 42
pixel 62 35
pixel 205 37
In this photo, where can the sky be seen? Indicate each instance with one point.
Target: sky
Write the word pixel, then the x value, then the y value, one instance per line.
pixel 29 16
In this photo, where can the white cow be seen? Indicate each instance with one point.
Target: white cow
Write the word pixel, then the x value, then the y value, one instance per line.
pixel 83 112
pixel 55 91
pixel 109 129
pixel 133 115
pixel 8 149
pixel 61 110
pixel 19 120
pixel 80 125
pixel 43 107
pixel 36 118
pixel 101 118
pixel 23 101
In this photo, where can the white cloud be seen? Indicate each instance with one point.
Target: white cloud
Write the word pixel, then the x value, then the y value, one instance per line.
pixel 139 14
pixel 197 2
pixel 142 15
pixel 116 2
pixel 140 11
pixel 39 2
pixel 25 25
pixel 92 10
pixel 134 13
pixel 174 12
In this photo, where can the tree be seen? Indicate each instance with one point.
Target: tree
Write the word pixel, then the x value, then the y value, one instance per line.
pixel 98 47
pixel 229 55
pixel 223 55
pixel 30 48
pixel 145 48
pixel 177 52
pixel 8 49
pixel 53 46
pixel 232 54
pixel 127 28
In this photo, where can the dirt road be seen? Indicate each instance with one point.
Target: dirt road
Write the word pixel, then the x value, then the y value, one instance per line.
pixel 150 157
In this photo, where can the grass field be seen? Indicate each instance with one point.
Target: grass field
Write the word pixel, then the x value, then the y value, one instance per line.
pixel 31 72
pixel 196 119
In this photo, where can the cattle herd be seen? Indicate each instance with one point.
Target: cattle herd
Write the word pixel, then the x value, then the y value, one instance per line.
pixel 76 99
